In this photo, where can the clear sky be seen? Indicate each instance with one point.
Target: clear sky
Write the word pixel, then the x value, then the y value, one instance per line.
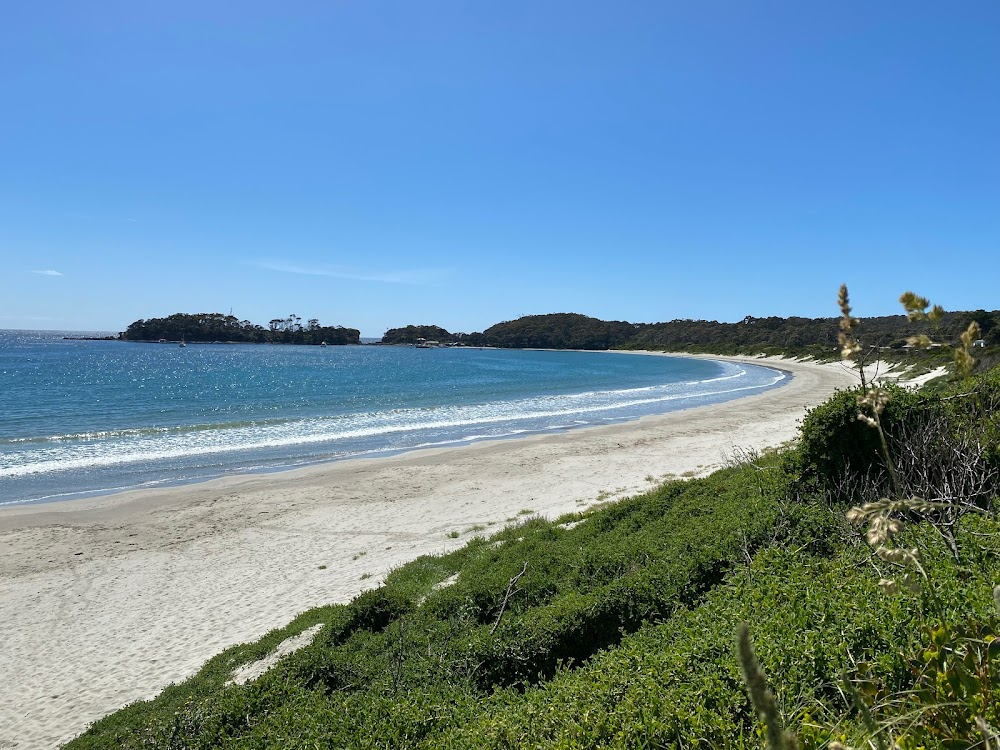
pixel 459 163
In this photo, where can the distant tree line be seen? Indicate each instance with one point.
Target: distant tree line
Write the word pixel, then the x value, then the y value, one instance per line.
pixel 799 336
pixel 203 327
pixel 808 336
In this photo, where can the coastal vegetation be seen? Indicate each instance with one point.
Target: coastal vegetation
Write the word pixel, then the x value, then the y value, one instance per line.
pixel 414 334
pixel 617 626
pixel 556 331
pixel 216 327
pixel 795 336
pixel 810 337
pixel 805 336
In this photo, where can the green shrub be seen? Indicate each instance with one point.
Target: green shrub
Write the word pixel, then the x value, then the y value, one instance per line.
pixel 835 444
pixel 374 610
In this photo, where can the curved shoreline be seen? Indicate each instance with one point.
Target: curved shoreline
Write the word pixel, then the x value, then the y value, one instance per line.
pixel 236 455
pixel 109 599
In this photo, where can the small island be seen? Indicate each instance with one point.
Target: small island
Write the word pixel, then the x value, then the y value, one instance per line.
pixel 218 328
pixel 414 335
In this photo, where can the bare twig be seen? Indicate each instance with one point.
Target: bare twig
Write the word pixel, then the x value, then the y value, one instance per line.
pixel 398 660
pixel 506 598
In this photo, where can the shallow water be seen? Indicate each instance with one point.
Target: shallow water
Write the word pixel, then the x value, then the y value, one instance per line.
pixel 88 417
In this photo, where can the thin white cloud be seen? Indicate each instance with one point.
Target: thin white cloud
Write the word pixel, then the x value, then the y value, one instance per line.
pixel 100 217
pixel 414 276
pixel 48 272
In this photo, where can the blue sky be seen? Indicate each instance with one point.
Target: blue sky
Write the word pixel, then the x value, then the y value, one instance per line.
pixel 374 164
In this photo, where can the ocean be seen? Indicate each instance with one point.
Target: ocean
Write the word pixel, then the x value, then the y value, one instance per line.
pixel 80 418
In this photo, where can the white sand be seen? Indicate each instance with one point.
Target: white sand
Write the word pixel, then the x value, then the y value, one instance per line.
pixel 250 672
pixel 918 381
pixel 106 601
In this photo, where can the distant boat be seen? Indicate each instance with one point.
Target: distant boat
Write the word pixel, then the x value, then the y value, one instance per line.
pixel 323 344
pixel 182 343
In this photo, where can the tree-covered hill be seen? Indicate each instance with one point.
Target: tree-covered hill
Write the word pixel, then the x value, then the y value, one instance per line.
pixel 208 327
pixel 556 331
pixel 799 336
pixel 412 334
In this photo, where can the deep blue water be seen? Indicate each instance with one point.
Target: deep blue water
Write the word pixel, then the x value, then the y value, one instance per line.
pixel 85 417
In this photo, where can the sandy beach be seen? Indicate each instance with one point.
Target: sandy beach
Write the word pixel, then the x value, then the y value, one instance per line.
pixel 107 600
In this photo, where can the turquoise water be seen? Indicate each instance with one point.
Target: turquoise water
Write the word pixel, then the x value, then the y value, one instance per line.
pixel 87 417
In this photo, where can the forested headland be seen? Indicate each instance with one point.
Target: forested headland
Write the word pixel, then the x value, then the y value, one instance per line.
pixel 816 337
pixel 216 327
